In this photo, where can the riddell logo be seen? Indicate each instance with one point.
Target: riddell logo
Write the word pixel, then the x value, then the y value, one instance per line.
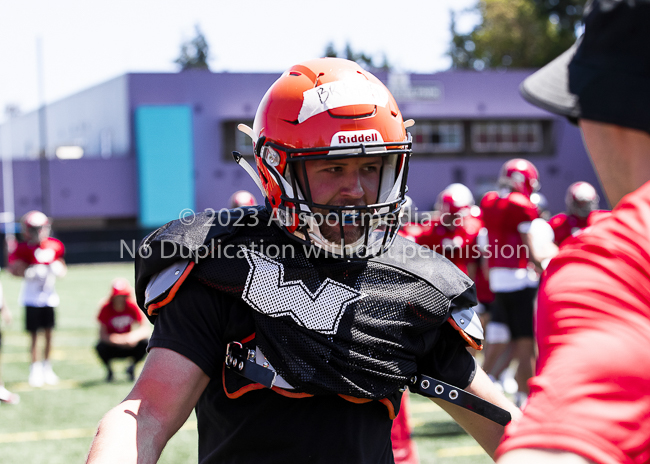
pixel 349 137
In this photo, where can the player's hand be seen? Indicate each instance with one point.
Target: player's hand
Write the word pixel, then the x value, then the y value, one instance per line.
pixel 58 268
pixel 131 339
pixel 37 272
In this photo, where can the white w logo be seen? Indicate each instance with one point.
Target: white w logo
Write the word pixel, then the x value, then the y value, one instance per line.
pixel 268 293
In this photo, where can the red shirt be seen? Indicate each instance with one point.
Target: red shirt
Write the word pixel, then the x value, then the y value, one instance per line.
pixel 564 225
pixel 502 216
pixel 482 282
pixel 422 234
pixel 46 252
pixel 413 231
pixel 119 322
pixel 457 244
pixel 591 394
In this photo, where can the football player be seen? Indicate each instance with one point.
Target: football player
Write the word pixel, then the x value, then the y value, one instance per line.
pixel 5 313
pixel 450 231
pixel 39 260
pixel 590 401
pixel 296 333
pixel 453 229
pixel 122 333
pixel 242 198
pixel 508 214
pixel 581 211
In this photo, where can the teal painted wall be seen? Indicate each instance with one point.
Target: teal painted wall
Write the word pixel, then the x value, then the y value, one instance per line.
pixel 165 153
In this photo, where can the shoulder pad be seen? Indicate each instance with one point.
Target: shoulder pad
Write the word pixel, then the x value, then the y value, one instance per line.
pixel 191 232
pixel 432 268
pixel 468 324
pixel 162 287
pixel 520 199
pixel 558 220
pixel 184 239
pixel 488 198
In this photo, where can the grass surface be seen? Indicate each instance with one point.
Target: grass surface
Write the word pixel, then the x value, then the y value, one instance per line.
pixel 56 424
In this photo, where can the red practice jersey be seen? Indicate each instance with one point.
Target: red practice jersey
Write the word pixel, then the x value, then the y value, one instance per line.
pixel 48 251
pixel 591 395
pixel 457 244
pixel 565 225
pixel 502 216
pixel 120 321
pixel 482 282
pixel 413 231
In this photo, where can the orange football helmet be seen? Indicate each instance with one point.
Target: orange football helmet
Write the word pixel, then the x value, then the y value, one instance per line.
pixel 331 108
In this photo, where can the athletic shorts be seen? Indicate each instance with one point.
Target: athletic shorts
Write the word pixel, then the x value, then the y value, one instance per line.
pixel 38 318
pixel 515 309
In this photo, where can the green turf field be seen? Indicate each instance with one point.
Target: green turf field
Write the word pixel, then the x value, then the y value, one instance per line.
pixel 56 424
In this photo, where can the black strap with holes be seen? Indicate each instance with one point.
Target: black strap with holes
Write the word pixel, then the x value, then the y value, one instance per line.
pixel 243 362
pixel 239 359
pixel 428 386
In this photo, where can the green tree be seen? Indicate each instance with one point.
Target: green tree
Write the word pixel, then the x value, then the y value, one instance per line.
pixel 516 33
pixel 330 51
pixel 566 14
pixel 195 53
pixel 362 58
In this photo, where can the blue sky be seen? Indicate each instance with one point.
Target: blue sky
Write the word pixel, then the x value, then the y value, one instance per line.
pixel 85 42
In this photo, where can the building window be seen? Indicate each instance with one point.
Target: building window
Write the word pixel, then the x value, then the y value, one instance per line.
pixel 437 137
pixel 243 143
pixel 235 140
pixel 507 137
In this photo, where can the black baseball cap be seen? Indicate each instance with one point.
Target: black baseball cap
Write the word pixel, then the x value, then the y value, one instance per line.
pixel 605 75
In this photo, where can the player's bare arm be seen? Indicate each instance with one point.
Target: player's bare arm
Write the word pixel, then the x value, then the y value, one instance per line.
pixel 59 268
pixel 138 428
pixel 539 254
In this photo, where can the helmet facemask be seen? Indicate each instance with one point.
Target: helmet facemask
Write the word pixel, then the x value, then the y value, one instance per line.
pixel 329 226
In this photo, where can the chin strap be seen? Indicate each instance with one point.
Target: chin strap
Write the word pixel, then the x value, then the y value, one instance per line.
pixel 434 388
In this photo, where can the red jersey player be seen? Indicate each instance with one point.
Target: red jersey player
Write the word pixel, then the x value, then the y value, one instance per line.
pixel 39 259
pixel 507 215
pixel 581 211
pixel 117 336
pixel 590 398
pixel 453 230
pixel 242 198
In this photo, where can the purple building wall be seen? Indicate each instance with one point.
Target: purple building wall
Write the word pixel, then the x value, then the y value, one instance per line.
pixel 85 188
pixel 215 98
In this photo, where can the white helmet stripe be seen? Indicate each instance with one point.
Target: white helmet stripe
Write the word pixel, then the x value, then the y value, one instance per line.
pixel 336 94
